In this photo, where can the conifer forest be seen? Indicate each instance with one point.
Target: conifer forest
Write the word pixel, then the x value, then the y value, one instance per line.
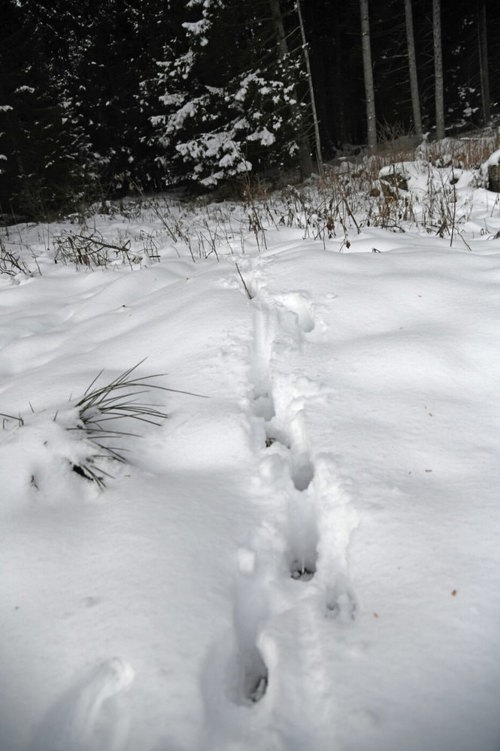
pixel 103 98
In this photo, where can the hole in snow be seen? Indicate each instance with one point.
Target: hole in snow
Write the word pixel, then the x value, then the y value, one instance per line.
pixel 302 475
pixel 306 321
pixel 256 678
pixel 302 571
pixel 263 406
pixel 274 435
pixel 342 606
pixel 259 689
pixel 299 305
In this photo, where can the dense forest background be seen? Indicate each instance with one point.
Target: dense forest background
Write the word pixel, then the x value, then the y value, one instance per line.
pixel 104 97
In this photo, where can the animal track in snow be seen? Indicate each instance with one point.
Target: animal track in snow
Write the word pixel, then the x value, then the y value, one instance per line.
pixel 302 471
pixel 256 677
pixel 248 673
pixel 302 535
pixel 263 406
pixel 88 717
pixel 306 532
pixel 279 400
pixel 299 304
pixel 341 605
pixel 302 571
pixel 288 427
pixel 337 519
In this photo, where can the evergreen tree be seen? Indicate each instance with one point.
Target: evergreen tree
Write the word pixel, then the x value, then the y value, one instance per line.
pixel 40 173
pixel 229 94
pixel 109 95
pixel 100 96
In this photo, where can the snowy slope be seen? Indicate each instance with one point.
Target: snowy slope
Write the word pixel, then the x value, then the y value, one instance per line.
pixel 304 556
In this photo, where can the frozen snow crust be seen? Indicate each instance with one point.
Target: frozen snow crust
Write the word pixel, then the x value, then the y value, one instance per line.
pixel 304 557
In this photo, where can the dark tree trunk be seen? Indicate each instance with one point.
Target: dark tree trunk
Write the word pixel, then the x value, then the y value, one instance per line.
pixel 483 62
pixel 438 68
pixel 371 119
pixel 412 64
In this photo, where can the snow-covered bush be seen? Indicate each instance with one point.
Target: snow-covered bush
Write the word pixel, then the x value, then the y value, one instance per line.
pixel 88 435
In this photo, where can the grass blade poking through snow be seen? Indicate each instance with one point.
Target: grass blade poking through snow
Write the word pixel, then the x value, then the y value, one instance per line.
pixel 101 407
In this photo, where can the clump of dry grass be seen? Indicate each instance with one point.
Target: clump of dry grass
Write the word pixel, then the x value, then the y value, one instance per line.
pixel 105 414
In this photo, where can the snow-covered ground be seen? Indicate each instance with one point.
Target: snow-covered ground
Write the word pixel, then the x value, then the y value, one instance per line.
pixel 304 555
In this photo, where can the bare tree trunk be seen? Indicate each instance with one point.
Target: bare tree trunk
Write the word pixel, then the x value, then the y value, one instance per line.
pixel 483 62
pixel 438 68
pixel 305 160
pixel 305 49
pixel 412 64
pixel 368 75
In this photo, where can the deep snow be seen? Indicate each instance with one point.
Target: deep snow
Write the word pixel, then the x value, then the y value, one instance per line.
pixel 304 556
